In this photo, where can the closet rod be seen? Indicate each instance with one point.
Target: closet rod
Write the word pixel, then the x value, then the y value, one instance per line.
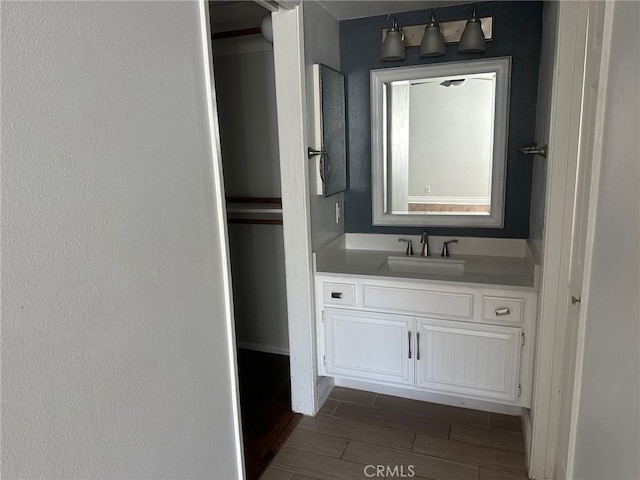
pixel 267 200
pixel 236 33
pixel 254 200
pixel 254 221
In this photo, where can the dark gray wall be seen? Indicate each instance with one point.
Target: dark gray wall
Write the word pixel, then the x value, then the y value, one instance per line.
pixel 517 30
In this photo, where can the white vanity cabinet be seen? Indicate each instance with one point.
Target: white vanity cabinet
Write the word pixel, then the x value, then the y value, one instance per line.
pixel 445 338
pixel 468 359
pixel 368 345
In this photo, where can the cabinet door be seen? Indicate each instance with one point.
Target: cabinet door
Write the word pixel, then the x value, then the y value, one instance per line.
pixel 468 359
pixel 369 345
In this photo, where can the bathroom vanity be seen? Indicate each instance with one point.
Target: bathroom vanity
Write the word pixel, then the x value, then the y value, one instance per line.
pixel 457 328
pixel 462 326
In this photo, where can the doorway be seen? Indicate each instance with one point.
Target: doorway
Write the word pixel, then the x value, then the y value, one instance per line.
pixel 245 86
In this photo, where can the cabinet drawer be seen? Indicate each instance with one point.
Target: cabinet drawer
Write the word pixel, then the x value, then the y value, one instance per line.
pixel 339 294
pixel 502 309
pixel 423 302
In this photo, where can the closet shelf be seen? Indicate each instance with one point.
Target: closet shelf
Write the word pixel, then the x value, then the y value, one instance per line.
pixel 254 210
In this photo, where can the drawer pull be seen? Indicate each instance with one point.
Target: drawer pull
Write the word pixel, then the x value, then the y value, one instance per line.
pixel 409 344
pixel 336 294
pixel 502 311
pixel 418 345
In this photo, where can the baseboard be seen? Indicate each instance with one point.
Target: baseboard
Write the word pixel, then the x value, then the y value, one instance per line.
pixel 430 397
pixel 323 389
pixel 261 347
pixel 434 199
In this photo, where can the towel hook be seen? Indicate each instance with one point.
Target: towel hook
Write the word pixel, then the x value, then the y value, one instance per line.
pixel 323 158
pixel 535 150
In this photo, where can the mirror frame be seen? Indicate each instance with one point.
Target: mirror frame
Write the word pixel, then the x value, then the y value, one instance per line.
pixel 502 67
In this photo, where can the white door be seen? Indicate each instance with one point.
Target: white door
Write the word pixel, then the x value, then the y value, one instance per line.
pixel 369 345
pixel 566 104
pixel 468 359
pixel 589 143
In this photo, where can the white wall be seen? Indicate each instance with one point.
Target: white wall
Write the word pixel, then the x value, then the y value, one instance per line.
pixel 608 433
pixel 439 117
pixel 245 82
pixel 116 328
pixel 259 287
pixel 321 45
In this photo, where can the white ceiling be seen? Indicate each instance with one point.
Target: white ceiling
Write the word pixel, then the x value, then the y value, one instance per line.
pixel 345 9
pixel 237 14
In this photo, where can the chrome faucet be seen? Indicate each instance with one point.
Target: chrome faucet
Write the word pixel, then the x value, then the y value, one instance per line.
pixel 445 248
pixel 409 246
pixel 424 240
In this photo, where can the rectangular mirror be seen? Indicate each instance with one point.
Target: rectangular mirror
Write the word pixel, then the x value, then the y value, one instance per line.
pixel 439 142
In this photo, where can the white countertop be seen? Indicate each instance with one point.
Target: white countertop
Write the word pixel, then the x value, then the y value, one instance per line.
pixel 480 270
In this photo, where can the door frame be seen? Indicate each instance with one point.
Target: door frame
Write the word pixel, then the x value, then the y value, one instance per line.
pixel 218 198
pixel 564 135
pixel 598 138
pixel 289 63
pixel 561 177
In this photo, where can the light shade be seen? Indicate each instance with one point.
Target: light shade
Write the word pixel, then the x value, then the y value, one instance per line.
pixel 472 39
pixel 432 43
pixel 266 28
pixel 393 45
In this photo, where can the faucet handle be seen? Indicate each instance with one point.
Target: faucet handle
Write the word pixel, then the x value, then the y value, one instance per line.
pixel 445 248
pixel 409 245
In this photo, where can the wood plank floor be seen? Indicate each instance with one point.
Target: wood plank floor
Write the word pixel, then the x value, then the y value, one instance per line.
pixel 408 438
pixel 265 405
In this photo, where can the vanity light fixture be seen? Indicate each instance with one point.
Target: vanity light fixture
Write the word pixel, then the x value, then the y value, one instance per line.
pixel 432 44
pixel 472 39
pixel 393 44
pixel 476 30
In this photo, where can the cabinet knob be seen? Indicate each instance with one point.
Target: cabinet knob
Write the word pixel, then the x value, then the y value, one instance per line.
pixel 502 311
pixel 336 294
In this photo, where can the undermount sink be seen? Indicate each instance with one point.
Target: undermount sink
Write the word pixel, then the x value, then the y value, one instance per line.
pixel 426 265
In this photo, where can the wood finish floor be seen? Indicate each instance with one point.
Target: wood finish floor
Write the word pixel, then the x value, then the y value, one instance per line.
pixel 265 407
pixel 355 429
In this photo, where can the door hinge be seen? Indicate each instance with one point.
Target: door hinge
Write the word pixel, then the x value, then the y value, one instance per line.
pixel 324 359
pixel 522 338
pixel 323 316
pixel 519 390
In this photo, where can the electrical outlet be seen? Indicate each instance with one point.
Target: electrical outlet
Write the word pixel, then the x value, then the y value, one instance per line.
pixel 338 212
pixel 427 189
